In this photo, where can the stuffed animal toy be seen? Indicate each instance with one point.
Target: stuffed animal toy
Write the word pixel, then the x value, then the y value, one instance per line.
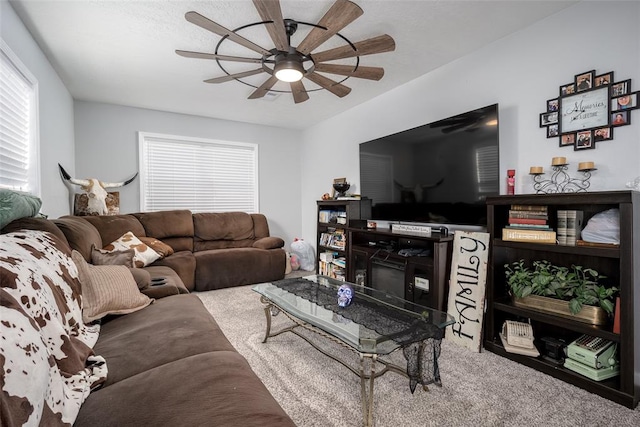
pixel 295 262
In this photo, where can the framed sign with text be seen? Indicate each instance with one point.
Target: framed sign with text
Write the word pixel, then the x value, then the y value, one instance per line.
pixel 587 110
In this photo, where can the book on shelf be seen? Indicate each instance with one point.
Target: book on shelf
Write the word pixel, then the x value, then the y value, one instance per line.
pixel 528 221
pixel 597 244
pixel 574 226
pixel 529 227
pixel 324 216
pixel 536 236
pixel 535 208
pixel 528 215
pixel 333 239
pixel 561 229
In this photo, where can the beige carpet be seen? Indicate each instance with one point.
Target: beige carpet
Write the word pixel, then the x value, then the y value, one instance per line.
pixel 479 389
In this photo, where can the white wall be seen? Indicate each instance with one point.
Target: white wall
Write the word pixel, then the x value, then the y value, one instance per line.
pixel 520 72
pixel 107 149
pixel 55 113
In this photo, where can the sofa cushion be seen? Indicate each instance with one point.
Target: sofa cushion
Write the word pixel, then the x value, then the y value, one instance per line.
pixel 111 227
pixel 107 289
pixel 80 234
pixel 169 329
pixel 174 227
pixel 144 255
pixel 210 389
pixel 238 266
pixel 102 257
pixel 223 226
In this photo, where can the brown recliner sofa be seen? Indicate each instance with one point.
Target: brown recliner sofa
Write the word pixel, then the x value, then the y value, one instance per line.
pixel 170 363
pixel 211 250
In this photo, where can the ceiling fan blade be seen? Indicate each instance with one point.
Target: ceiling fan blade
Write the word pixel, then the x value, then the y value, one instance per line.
pixel 200 55
pixel 330 85
pixel 299 92
pixel 234 76
pixel 207 24
pixel 269 10
pixel 370 73
pixel 341 14
pixel 370 46
pixel 264 88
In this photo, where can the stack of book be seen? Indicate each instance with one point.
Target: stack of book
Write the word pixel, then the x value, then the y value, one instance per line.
pixel 333 239
pixel 569 226
pixel 529 223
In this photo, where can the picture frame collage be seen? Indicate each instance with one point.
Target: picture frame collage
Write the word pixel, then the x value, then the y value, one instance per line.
pixel 588 109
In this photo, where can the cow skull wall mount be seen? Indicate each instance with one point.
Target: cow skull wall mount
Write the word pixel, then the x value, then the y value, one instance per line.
pixel 95 191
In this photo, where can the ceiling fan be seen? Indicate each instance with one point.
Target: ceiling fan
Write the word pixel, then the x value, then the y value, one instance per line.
pixel 289 63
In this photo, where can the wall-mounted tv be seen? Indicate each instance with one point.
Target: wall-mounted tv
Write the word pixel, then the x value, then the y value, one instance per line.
pixel 439 173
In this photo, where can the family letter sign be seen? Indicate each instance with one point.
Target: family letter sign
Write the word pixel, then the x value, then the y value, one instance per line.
pixel 466 288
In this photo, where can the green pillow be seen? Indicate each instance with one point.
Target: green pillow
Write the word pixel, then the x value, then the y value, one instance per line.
pixel 16 205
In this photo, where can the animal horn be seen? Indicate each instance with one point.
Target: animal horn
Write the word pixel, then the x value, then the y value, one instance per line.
pixel 118 184
pixel 67 177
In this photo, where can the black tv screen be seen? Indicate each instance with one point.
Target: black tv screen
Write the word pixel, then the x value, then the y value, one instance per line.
pixel 438 173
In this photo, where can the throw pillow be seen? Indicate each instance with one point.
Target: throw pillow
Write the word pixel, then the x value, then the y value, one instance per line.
pixel 100 257
pixel 107 289
pixel 144 254
pixel 161 248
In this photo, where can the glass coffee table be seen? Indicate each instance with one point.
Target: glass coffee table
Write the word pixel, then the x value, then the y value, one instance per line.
pixel 374 324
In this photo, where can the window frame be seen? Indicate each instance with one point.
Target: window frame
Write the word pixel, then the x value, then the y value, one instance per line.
pixel 33 176
pixel 146 137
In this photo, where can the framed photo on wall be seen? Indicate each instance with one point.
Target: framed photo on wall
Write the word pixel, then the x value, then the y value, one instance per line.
pixel 603 79
pixel 584 140
pixel 567 139
pixel 585 110
pixel 584 81
pixel 588 109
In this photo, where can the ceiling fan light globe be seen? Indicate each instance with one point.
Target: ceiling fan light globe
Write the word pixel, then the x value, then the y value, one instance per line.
pixel 288 70
pixel 288 75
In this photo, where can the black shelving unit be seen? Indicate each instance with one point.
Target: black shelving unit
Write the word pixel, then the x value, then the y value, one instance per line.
pixel 349 210
pixel 616 263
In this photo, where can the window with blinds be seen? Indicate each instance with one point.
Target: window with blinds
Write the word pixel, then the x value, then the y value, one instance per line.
pixel 197 174
pixel 487 170
pixel 19 164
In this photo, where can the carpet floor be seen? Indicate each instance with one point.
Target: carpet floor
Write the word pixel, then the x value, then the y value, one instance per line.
pixel 479 389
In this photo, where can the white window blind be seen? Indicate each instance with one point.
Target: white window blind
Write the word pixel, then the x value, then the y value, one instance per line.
pixel 197 174
pixel 19 166
pixel 376 177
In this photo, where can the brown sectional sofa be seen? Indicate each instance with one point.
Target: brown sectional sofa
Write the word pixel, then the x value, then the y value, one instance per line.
pixel 212 250
pixel 169 363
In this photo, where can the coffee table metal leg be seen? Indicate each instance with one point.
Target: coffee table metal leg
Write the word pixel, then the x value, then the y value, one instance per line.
pixel 367 395
pixel 267 313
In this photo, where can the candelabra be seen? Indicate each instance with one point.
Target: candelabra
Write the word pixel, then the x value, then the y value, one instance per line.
pixel 561 181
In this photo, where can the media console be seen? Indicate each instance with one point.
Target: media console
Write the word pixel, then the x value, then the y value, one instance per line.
pixel 408 265
pixel 411 266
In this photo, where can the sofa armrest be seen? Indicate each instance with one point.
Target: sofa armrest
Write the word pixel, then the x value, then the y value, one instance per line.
pixel 161 291
pixel 269 243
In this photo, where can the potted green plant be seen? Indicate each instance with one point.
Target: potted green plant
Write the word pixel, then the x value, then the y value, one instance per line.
pixel 576 292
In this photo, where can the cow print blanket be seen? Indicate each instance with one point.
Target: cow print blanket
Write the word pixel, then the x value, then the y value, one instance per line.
pixel 47 365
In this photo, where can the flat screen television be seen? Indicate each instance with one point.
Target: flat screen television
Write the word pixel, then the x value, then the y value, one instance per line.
pixel 439 173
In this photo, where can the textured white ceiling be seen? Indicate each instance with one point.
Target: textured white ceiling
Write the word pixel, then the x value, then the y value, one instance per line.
pixel 122 52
